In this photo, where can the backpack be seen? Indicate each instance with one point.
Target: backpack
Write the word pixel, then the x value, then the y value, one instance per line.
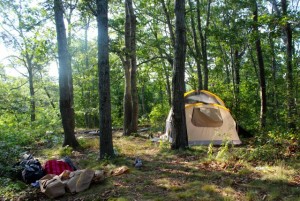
pixel 29 170
pixel 32 170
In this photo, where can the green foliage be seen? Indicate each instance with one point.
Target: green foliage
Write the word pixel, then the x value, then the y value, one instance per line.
pixel 265 152
pixel 283 136
pixel 66 151
pixel 8 151
pixel 210 151
pixel 164 146
pixel 273 147
pixel 158 116
pixel 222 153
pixel 8 187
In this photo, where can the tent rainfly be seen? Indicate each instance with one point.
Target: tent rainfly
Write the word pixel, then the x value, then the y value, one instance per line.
pixel 207 120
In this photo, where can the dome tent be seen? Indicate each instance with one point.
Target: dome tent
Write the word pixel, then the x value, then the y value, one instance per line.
pixel 207 120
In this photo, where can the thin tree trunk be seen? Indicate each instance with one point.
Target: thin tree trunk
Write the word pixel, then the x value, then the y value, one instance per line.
pixel 29 66
pixel 168 85
pixel 179 132
pixel 236 78
pixel 50 98
pixel 287 38
pixel 143 100
pixel 134 91
pixel 32 94
pixel 65 79
pixel 273 97
pixel 261 67
pixel 167 14
pixel 87 97
pixel 127 102
pixel 290 80
pixel 166 73
pixel 196 45
pixel 106 143
pixel 203 41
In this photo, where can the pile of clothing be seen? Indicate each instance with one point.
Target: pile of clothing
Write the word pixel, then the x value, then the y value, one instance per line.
pixel 56 177
pixel 30 170
pixel 69 181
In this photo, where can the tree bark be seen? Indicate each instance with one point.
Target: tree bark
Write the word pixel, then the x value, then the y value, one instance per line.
pixel 261 67
pixel 130 96
pixel 65 79
pixel 291 107
pixel 134 91
pixel 196 45
pixel 179 132
pixel 106 143
pixel 168 21
pixel 127 105
pixel 236 77
pixel 87 114
pixel 168 85
pixel 203 41
pixel 166 71
pixel 31 89
pixel 273 97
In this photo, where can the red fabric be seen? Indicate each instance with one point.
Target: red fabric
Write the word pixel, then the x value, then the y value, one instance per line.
pixel 56 167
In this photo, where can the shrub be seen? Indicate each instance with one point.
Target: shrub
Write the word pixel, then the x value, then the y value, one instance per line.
pixel 158 116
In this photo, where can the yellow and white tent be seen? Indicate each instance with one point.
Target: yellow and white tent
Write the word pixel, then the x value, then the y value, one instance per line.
pixel 207 120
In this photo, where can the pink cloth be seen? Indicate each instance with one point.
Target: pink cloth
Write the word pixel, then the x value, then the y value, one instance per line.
pixel 56 167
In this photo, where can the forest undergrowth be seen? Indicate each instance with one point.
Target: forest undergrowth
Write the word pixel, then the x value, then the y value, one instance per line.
pixel 256 170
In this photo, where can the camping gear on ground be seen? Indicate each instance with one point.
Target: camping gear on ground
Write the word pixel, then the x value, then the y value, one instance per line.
pixel 71 184
pixel 74 181
pixel 70 163
pixel 56 167
pixel 84 180
pixel 207 120
pixel 138 163
pixel 118 171
pixel 52 186
pixel 99 176
pixel 29 169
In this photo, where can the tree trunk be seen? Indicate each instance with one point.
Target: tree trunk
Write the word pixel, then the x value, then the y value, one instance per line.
pixel 203 41
pixel 29 66
pixel 50 98
pixel 127 92
pixel 236 78
pixel 134 91
pixel 166 72
pixel 291 107
pixel 261 67
pixel 196 45
pixel 168 85
pixel 273 97
pixel 127 105
pixel 65 79
pixel 32 92
pixel 168 19
pixel 179 132
pixel 130 67
pixel 87 114
pixel 106 143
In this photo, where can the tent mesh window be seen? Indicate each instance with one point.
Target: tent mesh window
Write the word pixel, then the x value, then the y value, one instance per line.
pixel 201 98
pixel 207 117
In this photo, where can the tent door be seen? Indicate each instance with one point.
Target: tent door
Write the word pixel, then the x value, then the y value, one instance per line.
pixel 207 117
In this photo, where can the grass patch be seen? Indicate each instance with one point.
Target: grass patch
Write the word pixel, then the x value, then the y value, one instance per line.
pixel 198 173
